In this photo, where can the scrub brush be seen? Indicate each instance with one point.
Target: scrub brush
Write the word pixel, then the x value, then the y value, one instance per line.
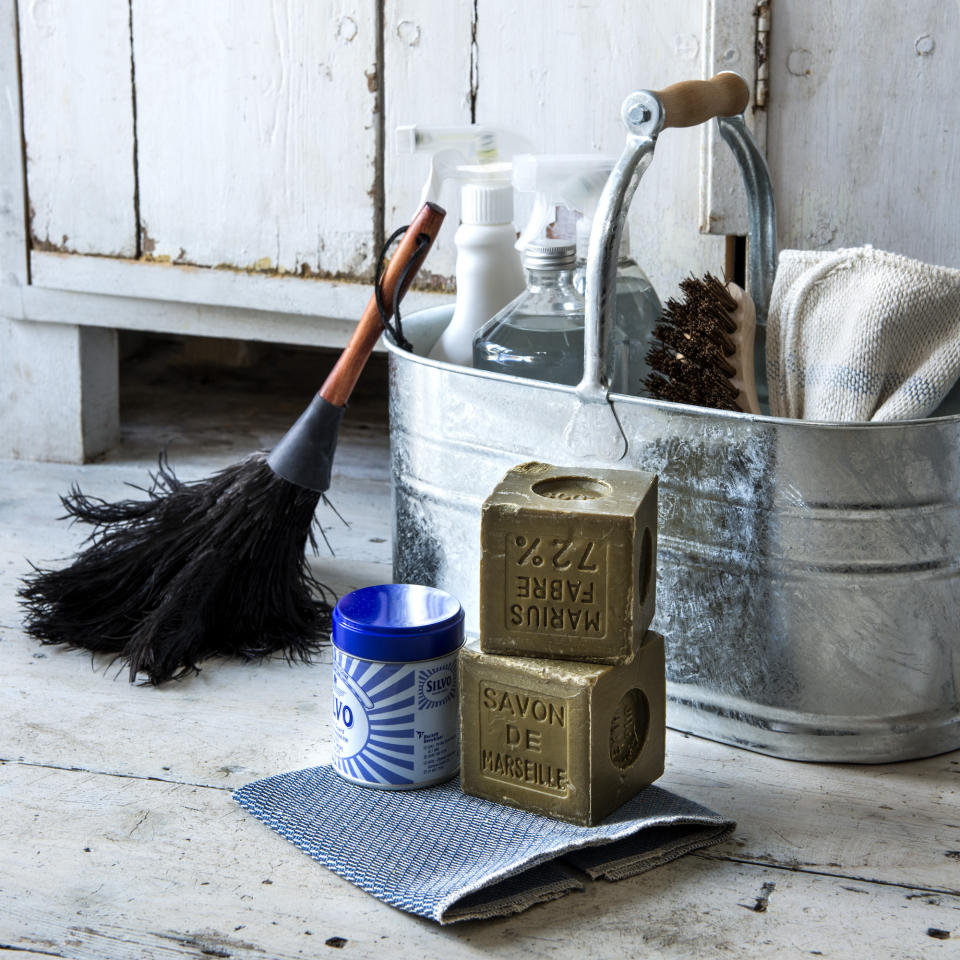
pixel 704 350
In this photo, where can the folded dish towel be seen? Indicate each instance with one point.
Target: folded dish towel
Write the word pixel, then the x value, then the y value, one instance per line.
pixel 446 856
pixel 859 334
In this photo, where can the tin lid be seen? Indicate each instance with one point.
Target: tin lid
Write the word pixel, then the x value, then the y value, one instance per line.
pixel 397 622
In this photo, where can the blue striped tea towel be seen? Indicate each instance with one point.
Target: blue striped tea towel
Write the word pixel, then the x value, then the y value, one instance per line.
pixel 443 855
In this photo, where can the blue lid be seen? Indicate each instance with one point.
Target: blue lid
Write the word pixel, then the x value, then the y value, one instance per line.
pixel 398 622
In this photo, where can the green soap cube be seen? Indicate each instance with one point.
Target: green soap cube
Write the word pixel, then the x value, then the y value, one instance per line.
pixel 568 569
pixel 567 740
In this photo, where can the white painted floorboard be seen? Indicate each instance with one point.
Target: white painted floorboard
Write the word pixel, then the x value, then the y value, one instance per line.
pixel 119 838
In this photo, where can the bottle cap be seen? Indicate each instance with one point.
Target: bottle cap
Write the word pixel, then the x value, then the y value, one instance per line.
pixel 549 255
pixel 398 623
pixel 486 203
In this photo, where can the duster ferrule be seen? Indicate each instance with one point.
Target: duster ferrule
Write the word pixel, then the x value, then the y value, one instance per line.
pixel 304 455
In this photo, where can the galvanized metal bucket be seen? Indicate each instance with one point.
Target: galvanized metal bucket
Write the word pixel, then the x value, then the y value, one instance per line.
pixel 808 573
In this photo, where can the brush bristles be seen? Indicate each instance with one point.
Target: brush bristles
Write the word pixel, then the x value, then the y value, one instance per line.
pixel 216 567
pixel 690 363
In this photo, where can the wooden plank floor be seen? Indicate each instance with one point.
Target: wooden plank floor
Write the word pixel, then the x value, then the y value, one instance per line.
pixel 119 838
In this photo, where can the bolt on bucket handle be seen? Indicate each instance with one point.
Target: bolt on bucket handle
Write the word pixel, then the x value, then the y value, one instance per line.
pixel 594 431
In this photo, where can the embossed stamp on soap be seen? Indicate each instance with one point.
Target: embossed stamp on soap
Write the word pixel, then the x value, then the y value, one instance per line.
pixel 555 585
pixel 524 738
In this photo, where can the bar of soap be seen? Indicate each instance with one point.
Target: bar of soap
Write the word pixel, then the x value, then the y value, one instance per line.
pixel 567 740
pixel 569 563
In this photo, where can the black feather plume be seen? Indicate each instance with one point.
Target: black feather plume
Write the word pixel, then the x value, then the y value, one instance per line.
pixel 216 567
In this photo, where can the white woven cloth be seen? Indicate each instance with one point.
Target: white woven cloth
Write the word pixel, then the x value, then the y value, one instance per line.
pixel 860 334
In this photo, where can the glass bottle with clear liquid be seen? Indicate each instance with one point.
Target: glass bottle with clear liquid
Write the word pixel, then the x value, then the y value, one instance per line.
pixel 638 311
pixel 539 335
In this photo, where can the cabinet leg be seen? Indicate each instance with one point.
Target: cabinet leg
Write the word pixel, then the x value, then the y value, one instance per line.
pixel 58 391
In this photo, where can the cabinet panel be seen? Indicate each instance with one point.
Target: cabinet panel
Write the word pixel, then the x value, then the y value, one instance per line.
pixel 13 241
pixel 735 34
pixel 257 133
pixel 427 59
pixel 78 125
pixel 862 137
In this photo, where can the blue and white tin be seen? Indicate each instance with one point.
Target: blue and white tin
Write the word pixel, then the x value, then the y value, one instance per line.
pixel 395 686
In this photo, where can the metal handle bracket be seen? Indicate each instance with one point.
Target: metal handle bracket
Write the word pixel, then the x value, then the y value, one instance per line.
pixel 644 117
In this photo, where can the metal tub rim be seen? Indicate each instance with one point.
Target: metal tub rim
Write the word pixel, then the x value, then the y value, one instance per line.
pixel 684 409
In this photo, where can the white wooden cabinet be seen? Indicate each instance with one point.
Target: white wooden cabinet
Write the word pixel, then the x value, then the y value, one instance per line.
pixel 227 168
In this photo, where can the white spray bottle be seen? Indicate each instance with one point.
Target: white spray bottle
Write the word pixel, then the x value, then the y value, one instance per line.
pixel 574 183
pixel 489 272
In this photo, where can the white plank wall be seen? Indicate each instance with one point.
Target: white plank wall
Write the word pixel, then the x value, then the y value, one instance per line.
pixel 256 130
pixel 862 137
pixel 256 126
pixel 78 127
pixel 559 71
pixel 14 255
pixel 256 133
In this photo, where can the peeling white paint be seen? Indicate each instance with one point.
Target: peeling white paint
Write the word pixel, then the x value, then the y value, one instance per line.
pixel 78 126
pixel 860 148
pixel 800 62
pixel 251 147
pixel 408 32
pixel 733 35
pixel 731 56
pixel 686 46
pixel 346 29
pixel 43 17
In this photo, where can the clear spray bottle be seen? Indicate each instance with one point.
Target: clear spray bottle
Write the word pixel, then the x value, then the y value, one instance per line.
pixel 539 335
pixel 574 183
pixel 489 273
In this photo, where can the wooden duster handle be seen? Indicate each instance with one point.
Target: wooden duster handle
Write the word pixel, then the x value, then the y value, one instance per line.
pixel 695 101
pixel 346 371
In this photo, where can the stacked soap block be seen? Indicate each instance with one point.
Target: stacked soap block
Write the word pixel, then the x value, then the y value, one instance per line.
pixel 563 704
